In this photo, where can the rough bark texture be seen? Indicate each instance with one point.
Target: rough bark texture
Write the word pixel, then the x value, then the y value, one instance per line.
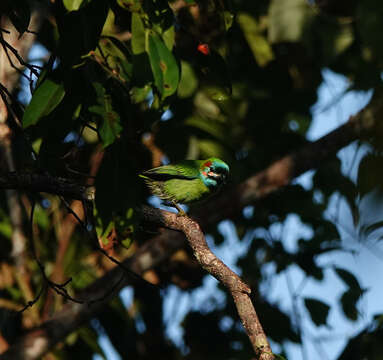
pixel 214 266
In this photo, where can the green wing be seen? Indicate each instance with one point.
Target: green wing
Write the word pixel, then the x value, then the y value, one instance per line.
pixel 187 169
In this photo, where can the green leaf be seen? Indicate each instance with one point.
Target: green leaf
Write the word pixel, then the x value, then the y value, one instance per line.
pixel 41 217
pixel 218 94
pixel 164 66
pixel 258 44
pixel 72 5
pixel 228 18
pixel 189 82
pixel 287 20
pixel 117 59
pixel 138 34
pixel 335 38
pixel 44 100
pixel 142 72
pixel 169 36
pixel 318 311
pixel 126 227
pixel 5 225
pixel 131 5
pixel 139 94
pixel 110 126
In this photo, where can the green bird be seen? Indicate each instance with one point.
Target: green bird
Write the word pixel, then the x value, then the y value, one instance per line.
pixel 186 182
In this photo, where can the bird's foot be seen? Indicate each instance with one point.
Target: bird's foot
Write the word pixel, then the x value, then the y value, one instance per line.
pixel 181 212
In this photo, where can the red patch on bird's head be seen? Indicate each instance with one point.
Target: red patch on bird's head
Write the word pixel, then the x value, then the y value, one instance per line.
pixel 204 49
pixel 207 164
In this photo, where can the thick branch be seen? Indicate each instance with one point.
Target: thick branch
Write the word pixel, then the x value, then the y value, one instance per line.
pixel 33 182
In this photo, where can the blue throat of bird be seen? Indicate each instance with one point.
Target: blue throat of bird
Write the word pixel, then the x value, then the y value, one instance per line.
pixel 212 179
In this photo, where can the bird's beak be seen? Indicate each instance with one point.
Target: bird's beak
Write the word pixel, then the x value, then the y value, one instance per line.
pixel 213 175
pixel 221 177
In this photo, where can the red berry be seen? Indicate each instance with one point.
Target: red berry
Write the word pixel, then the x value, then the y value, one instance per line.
pixel 204 49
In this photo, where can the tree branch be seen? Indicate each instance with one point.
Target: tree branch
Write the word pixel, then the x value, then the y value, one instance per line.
pixel 34 182
pixel 238 289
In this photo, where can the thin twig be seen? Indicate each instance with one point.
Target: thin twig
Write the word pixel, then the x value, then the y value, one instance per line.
pixel 58 288
pixel 6 46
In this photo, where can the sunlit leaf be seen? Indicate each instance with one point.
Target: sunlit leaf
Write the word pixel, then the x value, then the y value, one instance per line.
pixel 188 82
pixel 169 37
pixel 228 18
pixel 73 5
pixel 139 94
pixel 164 66
pixel 138 34
pixel 287 20
pixel 258 44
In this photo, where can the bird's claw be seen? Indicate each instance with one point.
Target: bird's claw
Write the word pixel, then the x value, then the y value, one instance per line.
pixel 181 212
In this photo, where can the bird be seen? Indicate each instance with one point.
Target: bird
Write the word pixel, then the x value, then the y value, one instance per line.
pixel 186 182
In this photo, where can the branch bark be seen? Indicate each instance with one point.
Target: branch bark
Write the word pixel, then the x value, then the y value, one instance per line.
pixel 37 342
pixel 215 267
pixel 33 182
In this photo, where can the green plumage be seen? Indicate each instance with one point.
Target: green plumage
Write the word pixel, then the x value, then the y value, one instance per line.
pixel 188 181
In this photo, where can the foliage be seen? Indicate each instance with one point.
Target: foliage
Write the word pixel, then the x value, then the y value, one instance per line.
pixel 126 88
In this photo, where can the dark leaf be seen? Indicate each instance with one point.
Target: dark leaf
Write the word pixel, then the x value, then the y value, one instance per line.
pixel 349 300
pixel 318 310
pixel 349 279
pixel 90 337
pixel 109 120
pixel 19 13
pixel 80 31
